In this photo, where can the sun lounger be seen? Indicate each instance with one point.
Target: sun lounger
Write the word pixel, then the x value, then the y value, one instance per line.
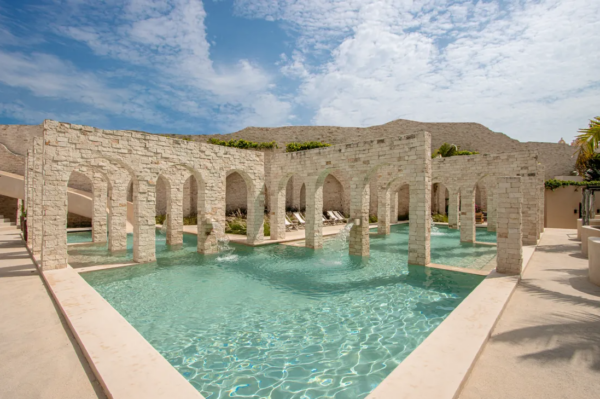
pixel 327 221
pixel 333 217
pixel 340 216
pixel 289 225
pixel 299 218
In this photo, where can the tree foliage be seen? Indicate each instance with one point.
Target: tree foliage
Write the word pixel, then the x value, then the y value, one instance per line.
pixel 450 150
pixel 587 141
pixel 244 144
pixel 553 184
pixel 308 145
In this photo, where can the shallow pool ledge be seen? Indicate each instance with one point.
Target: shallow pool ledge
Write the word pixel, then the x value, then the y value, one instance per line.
pixel 126 365
pixel 441 364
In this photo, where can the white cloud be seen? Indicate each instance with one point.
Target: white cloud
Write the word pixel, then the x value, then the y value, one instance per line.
pixel 169 38
pixel 528 69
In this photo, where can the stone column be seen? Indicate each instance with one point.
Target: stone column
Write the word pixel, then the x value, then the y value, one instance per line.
pixel 29 195
pixel 211 209
pixel 37 194
pixel 359 209
pixel 54 221
pixel 508 205
pixel 441 199
pixel 314 213
pixel 175 192
pixel 383 211
pixel 467 214
pixel 144 218
pixel 541 206
pixel 277 208
pixel 255 216
pixel 491 211
pixel 99 197
pixel 453 206
pixel 394 207
pixel 530 213
pixel 419 230
pixel 297 187
pixel 117 216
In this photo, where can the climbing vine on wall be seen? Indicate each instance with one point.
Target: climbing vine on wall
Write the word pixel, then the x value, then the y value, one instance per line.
pixel 308 145
pixel 553 184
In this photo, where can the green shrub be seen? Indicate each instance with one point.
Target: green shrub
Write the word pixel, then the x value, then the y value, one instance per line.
pixel 553 184
pixel 372 219
pixel 244 144
pixel 439 218
pixel 450 150
pixel 160 219
pixel 267 229
pixel 308 145
pixel 190 220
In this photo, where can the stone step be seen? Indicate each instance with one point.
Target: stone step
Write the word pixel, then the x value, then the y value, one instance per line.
pixel 4 222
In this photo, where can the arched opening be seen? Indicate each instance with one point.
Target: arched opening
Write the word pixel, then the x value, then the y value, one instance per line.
pixel 236 204
pixel 79 210
pixel 404 202
pixel 333 195
pixel 236 195
pixel 439 203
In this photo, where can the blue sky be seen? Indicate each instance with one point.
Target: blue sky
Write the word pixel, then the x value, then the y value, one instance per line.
pixel 530 69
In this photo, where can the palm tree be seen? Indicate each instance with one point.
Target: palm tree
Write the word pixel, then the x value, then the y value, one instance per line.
pixel 588 141
pixel 445 150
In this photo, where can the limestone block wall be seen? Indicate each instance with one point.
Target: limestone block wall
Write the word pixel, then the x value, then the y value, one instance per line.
pixel 144 157
pixel 11 162
pixel 333 195
pixel 8 208
pixel 403 200
pixel 509 211
pixel 391 159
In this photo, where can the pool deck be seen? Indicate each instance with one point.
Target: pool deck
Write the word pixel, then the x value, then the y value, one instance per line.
pixel 545 336
pixel 39 357
pixel 547 342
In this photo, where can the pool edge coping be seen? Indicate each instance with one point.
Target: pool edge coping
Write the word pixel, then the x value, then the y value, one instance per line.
pixel 441 364
pixel 123 369
pixel 409 387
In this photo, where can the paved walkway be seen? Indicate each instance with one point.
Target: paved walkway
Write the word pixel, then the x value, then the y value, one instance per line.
pixel 39 358
pixel 547 342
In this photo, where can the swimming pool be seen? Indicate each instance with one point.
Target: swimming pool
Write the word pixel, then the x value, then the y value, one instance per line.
pixel 286 322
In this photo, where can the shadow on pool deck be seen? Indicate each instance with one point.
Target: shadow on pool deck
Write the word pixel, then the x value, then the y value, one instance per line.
pixel 547 342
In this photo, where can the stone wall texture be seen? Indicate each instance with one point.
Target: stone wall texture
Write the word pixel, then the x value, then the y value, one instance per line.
pixel 8 208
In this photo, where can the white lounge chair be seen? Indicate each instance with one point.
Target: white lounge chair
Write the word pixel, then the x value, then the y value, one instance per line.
pixel 289 225
pixel 328 221
pixel 333 217
pixel 340 216
pixel 299 218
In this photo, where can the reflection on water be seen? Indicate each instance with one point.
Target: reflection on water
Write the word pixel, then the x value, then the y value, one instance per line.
pixel 287 322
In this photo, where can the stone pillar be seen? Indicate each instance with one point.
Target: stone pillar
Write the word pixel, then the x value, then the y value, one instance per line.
pixel 419 230
pixel 54 221
pixel 37 194
pixel 359 209
pixel 297 187
pixel 383 211
pixel 542 204
pixel 255 216
pixel 453 209
pixel 175 191
pixel 211 208
pixel 29 195
pixel 441 199
pixel 99 198
pixel 530 213
pixel 508 205
pixel 144 218
pixel 314 213
pixel 117 216
pixel 277 208
pixel 491 211
pixel 467 214
pixel 394 207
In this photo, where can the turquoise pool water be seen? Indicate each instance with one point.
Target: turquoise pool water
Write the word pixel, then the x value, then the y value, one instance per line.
pixel 285 322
